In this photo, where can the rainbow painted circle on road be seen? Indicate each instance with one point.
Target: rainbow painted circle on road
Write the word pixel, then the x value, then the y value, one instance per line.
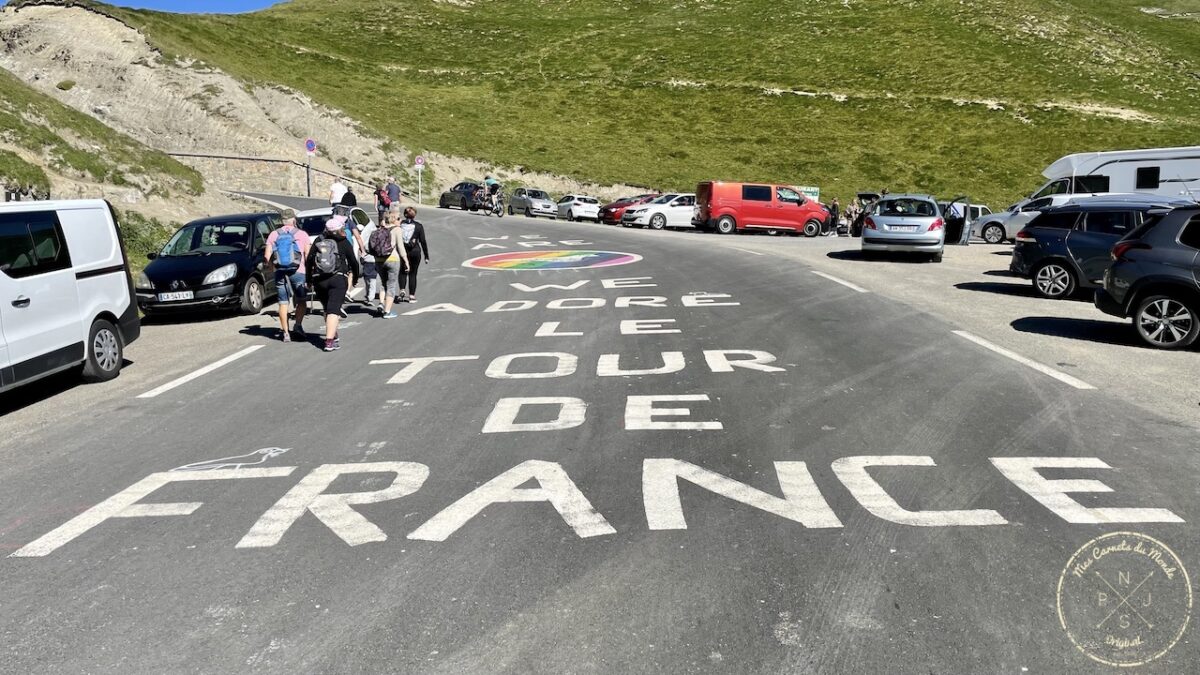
pixel 551 260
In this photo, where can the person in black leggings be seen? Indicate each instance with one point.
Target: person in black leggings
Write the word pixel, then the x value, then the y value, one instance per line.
pixel 416 247
pixel 332 288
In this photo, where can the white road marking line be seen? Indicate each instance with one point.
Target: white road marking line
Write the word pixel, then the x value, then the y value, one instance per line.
pixel 358 290
pixel 843 282
pixel 1044 369
pixel 747 251
pixel 198 373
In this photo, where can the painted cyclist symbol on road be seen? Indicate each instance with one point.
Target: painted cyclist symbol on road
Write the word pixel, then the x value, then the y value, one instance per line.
pixel 551 260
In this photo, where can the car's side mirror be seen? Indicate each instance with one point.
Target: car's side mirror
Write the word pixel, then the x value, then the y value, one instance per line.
pixel 151 255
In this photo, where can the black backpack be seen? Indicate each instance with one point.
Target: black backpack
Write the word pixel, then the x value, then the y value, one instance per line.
pixel 325 255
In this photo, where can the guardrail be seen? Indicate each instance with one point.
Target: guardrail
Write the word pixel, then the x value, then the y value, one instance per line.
pixel 309 170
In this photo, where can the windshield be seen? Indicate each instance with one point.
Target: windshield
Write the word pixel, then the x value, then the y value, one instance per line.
pixel 907 207
pixel 538 194
pixel 313 225
pixel 665 199
pixel 208 238
pixel 587 200
pixel 1056 187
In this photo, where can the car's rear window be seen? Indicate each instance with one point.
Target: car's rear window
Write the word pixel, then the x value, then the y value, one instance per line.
pixel 588 200
pixel 313 225
pixel 1064 220
pixel 1191 233
pixel 907 207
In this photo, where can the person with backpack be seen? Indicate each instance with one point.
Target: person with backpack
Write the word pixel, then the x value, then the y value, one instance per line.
pixel 383 202
pixel 387 245
pixel 348 198
pixel 331 261
pixel 287 248
pixel 416 247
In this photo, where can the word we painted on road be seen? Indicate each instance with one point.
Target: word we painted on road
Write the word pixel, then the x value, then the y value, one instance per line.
pixel 800 500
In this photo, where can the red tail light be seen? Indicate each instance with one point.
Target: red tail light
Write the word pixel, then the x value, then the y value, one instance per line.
pixel 1123 247
pixel 937 225
pixel 1023 237
pixel 869 224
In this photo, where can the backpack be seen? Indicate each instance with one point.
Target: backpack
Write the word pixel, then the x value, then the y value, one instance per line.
pixel 384 199
pixel 325 257
pixel 287 251
pixel 380 243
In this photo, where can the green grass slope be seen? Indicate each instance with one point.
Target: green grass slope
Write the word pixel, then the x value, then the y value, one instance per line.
pixel 949 96
pixel 79 146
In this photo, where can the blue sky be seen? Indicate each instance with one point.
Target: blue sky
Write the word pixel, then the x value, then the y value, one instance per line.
pixel 193 5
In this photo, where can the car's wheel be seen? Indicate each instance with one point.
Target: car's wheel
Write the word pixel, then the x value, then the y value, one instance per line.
pixel 528 213
pixel 772 233
pixel 510 210
pixel 463 204
pixel 1053 280
pixel 993 234
pixel 105 353
pixel 442 203
pixel 936 257
pixel 812 228
pixel 570 216
pixel 658 221
pixel 1166 322
pixel 726 225
pixel 253 296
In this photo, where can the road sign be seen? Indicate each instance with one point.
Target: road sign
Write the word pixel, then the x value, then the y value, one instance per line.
pixel 813 193
pixel 310 146
pixel 420 162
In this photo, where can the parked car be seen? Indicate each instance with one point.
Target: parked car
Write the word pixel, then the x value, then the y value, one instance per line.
pixel 669 210
pixel 1066 247
pixel 1154 279
pixel 579 207
pixel 67 297
pixel 211 263
pixel 611 213
pixel 313 221
pixel 774 209
pixel 461 195
pixel 532 202
pixel 906 222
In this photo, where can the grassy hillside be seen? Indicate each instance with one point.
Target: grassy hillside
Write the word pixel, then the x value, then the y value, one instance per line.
pixel 950 96
pixel 77 145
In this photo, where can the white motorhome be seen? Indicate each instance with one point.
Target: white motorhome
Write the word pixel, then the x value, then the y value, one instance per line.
pixel 1167 172
pixel 66 297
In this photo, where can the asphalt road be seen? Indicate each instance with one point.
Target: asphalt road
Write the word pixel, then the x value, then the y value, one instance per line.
pixel 550 537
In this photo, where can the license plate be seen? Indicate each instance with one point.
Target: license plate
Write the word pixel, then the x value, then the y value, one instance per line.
pixel 904 228
pixel 181 295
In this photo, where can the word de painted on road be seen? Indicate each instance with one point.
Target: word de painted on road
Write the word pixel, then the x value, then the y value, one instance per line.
pixel 552 260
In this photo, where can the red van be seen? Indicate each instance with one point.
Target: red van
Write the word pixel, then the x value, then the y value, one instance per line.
pixel 774 209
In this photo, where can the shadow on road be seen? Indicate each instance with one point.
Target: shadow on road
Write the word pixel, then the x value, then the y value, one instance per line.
pixel 47 387
pixel 1089 330
pixel 1017 290
pixel 176 318
pixel 878 256
pixel 1006 254
pixel 1001 273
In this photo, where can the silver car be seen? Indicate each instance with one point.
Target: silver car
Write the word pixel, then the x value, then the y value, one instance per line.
pixel 905 223
pixel 532 203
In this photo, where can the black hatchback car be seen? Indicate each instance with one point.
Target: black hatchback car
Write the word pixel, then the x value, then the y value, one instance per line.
pixel 1066 248
pixel 1155 280
pixel 461 195
pixel 211 263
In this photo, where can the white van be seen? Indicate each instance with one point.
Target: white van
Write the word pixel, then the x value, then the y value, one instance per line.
pixel 66 296
pixel 1166 172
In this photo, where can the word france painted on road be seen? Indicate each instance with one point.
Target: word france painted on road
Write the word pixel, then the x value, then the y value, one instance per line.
pixel 551 260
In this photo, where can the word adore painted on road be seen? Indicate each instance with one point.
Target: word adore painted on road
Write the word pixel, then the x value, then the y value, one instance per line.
pixel 552 260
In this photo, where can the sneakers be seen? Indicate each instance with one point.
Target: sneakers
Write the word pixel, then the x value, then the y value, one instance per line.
pixel 299 331
pixel 342 313
pixel 329 345
pixel 412 298
pixel 337 343
pixel 390 315
pixel 285 336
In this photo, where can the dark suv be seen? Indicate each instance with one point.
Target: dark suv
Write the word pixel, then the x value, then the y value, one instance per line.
pixel 1155 279
pixel 1066 247
pixel 461 195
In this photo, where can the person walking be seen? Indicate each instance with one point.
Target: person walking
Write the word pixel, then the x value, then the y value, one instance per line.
pixel 337 190
pixel 287 247
pixel 393 191
pixel 370 272
pixel 391 259
pixel 416 246
pixel 348 198
pixel 331 261
pixel 382 202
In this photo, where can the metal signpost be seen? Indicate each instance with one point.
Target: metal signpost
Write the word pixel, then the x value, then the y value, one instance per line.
pixel 310 147
pixel 420 164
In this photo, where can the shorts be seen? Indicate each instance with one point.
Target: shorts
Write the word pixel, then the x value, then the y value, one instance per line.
pixel 290 285
pixel 368 268
pixel 332 292
pixel 389 275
